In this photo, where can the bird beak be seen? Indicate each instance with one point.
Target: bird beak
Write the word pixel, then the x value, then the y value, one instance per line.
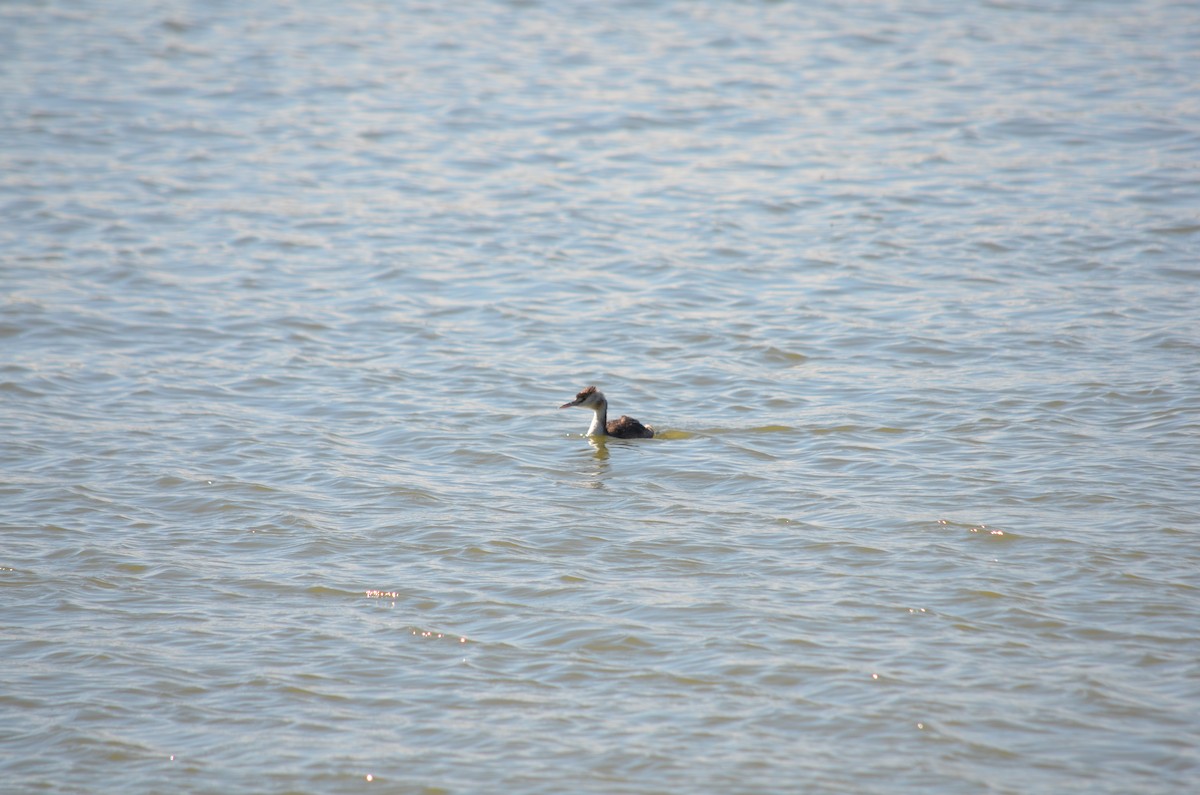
pixel 568 405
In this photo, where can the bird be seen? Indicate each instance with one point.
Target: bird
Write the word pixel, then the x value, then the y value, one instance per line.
pixel 623 428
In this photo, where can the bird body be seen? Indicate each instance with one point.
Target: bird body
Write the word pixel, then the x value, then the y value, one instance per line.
pixel 621 428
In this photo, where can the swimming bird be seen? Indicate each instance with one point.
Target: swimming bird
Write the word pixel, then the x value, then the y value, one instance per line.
pixel 623 428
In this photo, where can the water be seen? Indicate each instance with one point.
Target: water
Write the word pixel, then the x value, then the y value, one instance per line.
pixel 291 295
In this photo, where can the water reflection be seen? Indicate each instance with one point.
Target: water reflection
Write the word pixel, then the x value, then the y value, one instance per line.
pixel 594 469
pixel 600 469
pixel 599 447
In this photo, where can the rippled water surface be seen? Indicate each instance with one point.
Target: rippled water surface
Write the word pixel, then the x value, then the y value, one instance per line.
pixel 290 295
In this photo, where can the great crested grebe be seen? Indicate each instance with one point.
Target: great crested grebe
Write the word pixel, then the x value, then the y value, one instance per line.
pixel 623 428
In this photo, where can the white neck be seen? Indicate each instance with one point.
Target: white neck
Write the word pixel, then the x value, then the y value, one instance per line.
pixel 599 420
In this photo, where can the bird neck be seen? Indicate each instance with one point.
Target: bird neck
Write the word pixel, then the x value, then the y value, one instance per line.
pixel 599 426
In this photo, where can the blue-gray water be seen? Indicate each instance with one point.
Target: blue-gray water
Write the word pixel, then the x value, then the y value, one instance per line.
pixel 291 293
